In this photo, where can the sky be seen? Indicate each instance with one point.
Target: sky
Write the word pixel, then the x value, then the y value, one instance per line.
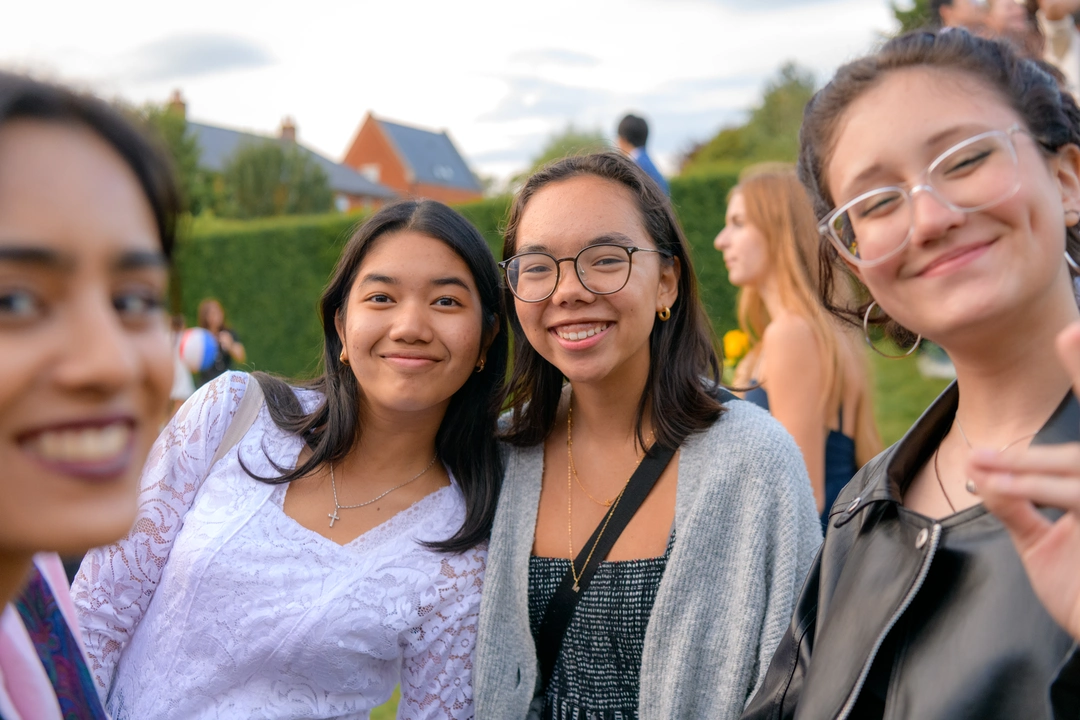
pixel 501 76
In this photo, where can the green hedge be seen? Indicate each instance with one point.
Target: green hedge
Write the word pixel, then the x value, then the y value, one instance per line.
pixel 270 273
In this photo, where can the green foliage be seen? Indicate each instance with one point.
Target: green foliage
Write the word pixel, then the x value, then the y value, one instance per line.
pixel 912 15
pixel 770 133
pixel 570 141
pixel 489 216
pixel 269 275
pixel 700 202
pixel 269 178
pixel 196 186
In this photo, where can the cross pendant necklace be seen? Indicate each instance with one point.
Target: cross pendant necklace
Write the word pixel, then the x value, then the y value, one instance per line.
pixel 338 506
pixel 333 517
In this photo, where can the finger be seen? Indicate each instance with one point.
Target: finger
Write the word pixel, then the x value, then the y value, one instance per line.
pixel 1068 349
pixel 1024 523
pixel 1048 490
pixel 1061 459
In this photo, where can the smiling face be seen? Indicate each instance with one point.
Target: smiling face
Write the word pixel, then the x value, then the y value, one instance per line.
pixel 412 324
pixel 961 272
pixel 85 359
pixel 745 249
pixel 593 338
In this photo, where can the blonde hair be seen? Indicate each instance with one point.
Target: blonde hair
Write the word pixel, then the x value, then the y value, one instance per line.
pixel 778 207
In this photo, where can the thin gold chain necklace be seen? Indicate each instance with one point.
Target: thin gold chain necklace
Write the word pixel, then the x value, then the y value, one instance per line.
pixel 338 506
pixel 570 473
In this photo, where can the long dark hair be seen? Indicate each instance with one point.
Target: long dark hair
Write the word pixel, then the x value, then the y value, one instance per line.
pixel 22 98
pixel 1047 109
pixel 682 351
pixel 465 441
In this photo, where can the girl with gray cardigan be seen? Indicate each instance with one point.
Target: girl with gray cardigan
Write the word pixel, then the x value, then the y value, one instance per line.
pixel 679 611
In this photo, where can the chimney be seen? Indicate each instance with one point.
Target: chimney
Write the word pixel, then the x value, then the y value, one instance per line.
pixel 177 104
pixel 288 129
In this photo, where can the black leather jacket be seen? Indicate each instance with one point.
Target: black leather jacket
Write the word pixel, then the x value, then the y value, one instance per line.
pixel 902 616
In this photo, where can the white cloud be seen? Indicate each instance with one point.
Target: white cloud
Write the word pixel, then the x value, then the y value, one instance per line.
pixel 498 75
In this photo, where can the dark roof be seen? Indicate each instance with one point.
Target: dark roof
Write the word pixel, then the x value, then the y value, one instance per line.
pixel 431 156
pixel 217 144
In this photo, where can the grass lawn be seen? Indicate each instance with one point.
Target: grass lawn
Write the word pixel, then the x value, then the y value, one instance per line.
pixel 389 710
pixel 901 394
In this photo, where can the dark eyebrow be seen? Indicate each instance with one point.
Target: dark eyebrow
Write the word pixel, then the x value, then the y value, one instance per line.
pixel 43 257
pixel 451 280
pixel 27 255
pixel 142 259
pixel 376 278
pixel 960 132
pixel 612 238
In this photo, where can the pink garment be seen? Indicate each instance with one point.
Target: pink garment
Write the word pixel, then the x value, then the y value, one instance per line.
pixel 25 690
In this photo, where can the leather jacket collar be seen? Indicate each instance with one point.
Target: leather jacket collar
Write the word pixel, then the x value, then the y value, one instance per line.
pixel 919 443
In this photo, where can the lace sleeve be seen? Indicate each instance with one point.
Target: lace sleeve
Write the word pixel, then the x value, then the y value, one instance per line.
pixel 436 676
pixel 115 583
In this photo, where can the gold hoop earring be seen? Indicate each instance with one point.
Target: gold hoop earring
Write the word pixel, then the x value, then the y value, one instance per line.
pixel 343 357
pixel 480 365
pixel 664 314
pixel 866 336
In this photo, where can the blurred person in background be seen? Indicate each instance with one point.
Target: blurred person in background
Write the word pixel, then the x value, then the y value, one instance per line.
pixel 630 137
pixel 677 616
pixel 183 386
pixel 333 546
pixel 87 212
pixel 211 316
pixel 945 169
pixel 807 370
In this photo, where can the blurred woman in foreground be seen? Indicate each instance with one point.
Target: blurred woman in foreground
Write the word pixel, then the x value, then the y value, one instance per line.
pixel 810 372
pixel 87 208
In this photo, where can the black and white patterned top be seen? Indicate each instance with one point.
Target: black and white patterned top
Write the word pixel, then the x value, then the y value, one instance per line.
pixel 597 673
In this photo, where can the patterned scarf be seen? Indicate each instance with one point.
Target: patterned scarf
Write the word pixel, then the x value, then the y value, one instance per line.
pixel 59 651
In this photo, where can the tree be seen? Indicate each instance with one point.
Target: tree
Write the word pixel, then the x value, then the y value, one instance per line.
pixel 269 178
pixel 570 141
pixel 914 15
pixel 771 133
pixel 196 185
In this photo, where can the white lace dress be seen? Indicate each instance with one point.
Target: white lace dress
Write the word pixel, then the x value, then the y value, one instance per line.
pixel 219 605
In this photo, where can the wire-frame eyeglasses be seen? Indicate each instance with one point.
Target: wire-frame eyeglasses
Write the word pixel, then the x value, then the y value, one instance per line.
pixel 602 269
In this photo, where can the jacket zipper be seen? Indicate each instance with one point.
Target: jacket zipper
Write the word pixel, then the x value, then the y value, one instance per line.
pixel 935 536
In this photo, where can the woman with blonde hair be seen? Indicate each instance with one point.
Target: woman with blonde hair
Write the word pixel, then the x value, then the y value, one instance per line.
pixel 807 370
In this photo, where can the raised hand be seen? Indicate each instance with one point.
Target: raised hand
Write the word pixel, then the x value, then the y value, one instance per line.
pixel 1011 487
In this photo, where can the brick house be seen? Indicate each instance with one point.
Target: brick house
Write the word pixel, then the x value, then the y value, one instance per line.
pixel 351 189
pixel 412 161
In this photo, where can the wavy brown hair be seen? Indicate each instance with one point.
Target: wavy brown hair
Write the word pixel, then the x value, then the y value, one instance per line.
pixel 683 367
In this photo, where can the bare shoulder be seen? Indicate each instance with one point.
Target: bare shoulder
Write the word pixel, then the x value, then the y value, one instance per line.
pixel 789 336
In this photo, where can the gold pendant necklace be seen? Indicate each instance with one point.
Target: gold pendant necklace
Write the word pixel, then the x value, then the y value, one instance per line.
pixel 572 473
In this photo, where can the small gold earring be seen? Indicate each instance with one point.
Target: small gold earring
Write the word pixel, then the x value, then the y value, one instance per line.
pixel 480 366
pixel 343 357
pixel 664 314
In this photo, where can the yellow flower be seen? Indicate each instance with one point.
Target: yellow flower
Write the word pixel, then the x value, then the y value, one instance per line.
pixel 736 344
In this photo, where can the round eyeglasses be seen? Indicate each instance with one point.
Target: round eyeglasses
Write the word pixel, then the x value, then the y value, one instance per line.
pixel 602 269
pixel 972 175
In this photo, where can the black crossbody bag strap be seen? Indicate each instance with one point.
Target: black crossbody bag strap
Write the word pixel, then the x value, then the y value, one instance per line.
pixel 561 609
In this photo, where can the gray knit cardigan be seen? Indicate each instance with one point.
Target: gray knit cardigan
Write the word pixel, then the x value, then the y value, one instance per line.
pixel 746 531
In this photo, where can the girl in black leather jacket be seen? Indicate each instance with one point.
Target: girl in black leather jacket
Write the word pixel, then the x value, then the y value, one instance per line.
pixel 946 171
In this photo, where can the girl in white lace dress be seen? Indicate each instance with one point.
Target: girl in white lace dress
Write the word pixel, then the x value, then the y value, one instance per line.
pixel 338 549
